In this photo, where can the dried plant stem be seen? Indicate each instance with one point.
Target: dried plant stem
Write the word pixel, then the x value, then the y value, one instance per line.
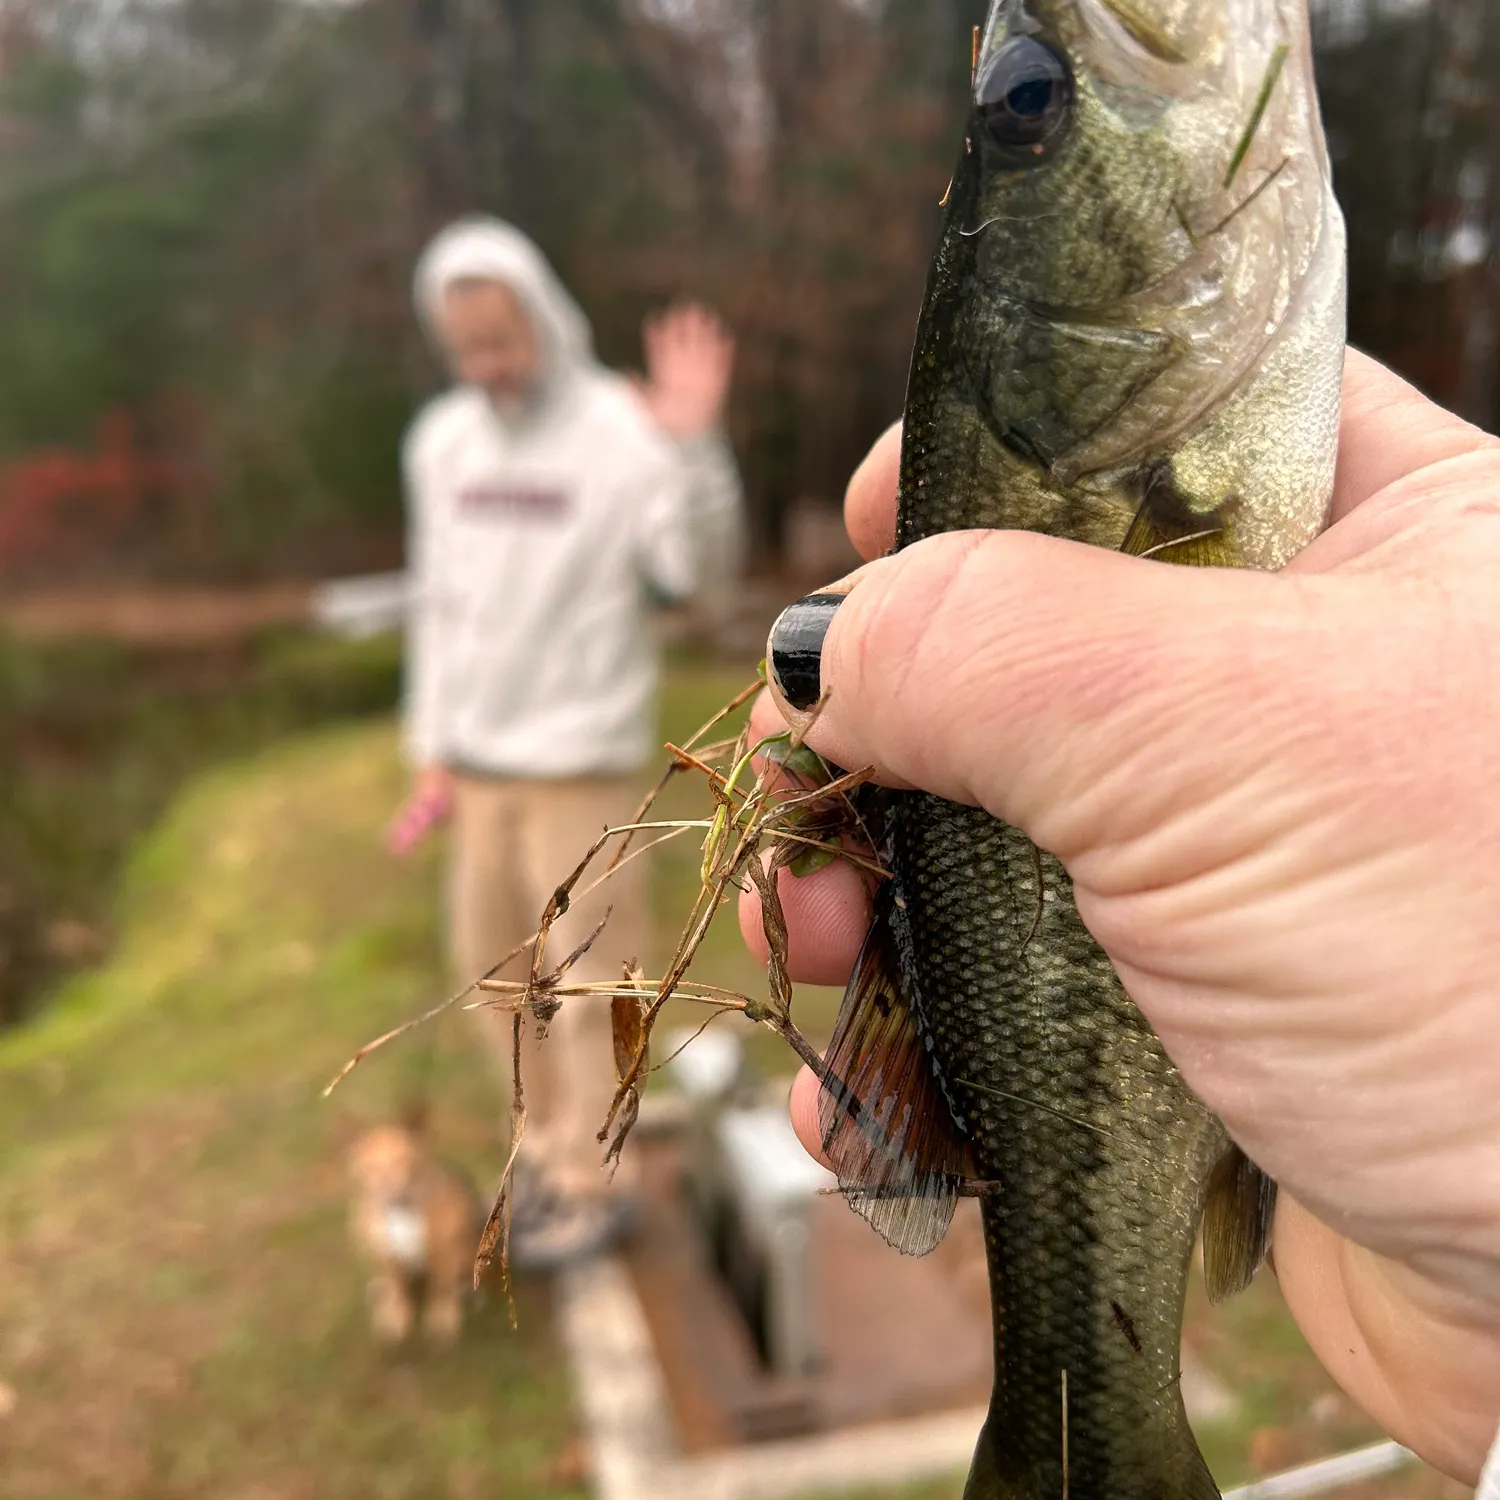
pixel 766 818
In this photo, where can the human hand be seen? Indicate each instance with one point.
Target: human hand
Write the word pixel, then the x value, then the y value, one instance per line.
pixel 689 367
pixel 1277 796
pixel 428 808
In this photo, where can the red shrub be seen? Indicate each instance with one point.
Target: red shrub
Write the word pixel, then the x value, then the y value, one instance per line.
pixel 58 506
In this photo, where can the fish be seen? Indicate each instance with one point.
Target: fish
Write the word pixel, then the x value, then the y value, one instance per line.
pixel 1133 337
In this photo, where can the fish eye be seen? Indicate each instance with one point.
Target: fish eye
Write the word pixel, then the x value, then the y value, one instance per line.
pixel 1025 97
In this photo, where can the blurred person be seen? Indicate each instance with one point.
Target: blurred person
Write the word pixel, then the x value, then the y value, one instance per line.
pixel 551 501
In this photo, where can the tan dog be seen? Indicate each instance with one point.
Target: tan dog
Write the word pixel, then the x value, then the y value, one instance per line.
pixel 417 1224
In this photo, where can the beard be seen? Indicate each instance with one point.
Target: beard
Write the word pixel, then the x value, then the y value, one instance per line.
pixel 513 402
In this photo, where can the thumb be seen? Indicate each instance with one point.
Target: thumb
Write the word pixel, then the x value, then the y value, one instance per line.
pixel 1086 697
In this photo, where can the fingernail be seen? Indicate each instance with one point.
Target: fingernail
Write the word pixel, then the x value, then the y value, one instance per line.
pixel 797 648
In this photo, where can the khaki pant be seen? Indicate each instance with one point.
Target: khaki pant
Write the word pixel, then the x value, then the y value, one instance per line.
pixel 514 843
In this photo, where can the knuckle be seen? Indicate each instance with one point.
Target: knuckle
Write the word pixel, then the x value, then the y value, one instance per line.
pixel 897 656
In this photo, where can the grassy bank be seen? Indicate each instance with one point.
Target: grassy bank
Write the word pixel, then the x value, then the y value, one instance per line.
pixel 95 739
pixel 179 1315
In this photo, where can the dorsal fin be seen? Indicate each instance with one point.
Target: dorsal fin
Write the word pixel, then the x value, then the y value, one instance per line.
pixel 887 1125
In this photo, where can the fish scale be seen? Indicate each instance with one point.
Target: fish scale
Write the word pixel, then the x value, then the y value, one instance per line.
pixel 1132 337
pixel 1087 1216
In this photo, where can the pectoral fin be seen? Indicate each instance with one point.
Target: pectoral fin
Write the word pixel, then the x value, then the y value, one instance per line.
pixel 1237 1219
pixel 887 1125
pixel 1169 528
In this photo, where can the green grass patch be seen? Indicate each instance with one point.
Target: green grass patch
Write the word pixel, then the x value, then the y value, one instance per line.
pixel 180 1314
pixel 95 740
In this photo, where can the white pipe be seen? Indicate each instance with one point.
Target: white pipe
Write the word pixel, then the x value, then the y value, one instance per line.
pixel 1489 1484
pixel 1327 1474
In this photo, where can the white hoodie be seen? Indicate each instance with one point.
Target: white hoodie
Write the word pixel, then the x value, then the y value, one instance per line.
pixel 537 540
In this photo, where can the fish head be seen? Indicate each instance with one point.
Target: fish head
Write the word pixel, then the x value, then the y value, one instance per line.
pixel 1113 142
pixel 1140 226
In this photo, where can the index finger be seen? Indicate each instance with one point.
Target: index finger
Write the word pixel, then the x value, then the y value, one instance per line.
pixel 870 501
pixel 1389 430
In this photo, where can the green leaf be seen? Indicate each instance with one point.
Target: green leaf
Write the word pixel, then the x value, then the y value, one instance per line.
pixel 810 861
pixel 806 764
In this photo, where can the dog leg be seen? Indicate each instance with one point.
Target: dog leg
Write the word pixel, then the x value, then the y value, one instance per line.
pixel 391 1311
pixel 442 1319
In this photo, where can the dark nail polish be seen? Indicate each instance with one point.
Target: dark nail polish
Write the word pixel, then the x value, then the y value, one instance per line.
pixel 797 647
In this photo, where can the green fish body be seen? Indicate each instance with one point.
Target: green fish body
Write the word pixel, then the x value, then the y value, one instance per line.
pixel 1133 337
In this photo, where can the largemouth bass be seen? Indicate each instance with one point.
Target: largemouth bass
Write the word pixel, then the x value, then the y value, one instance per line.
pixel 1133 336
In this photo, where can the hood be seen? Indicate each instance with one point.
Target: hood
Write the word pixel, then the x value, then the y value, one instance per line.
pixel 491 250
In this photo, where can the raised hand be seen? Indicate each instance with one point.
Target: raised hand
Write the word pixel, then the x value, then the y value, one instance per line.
pixel 689 367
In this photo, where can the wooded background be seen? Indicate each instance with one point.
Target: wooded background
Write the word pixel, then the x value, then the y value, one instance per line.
pixel 209 210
